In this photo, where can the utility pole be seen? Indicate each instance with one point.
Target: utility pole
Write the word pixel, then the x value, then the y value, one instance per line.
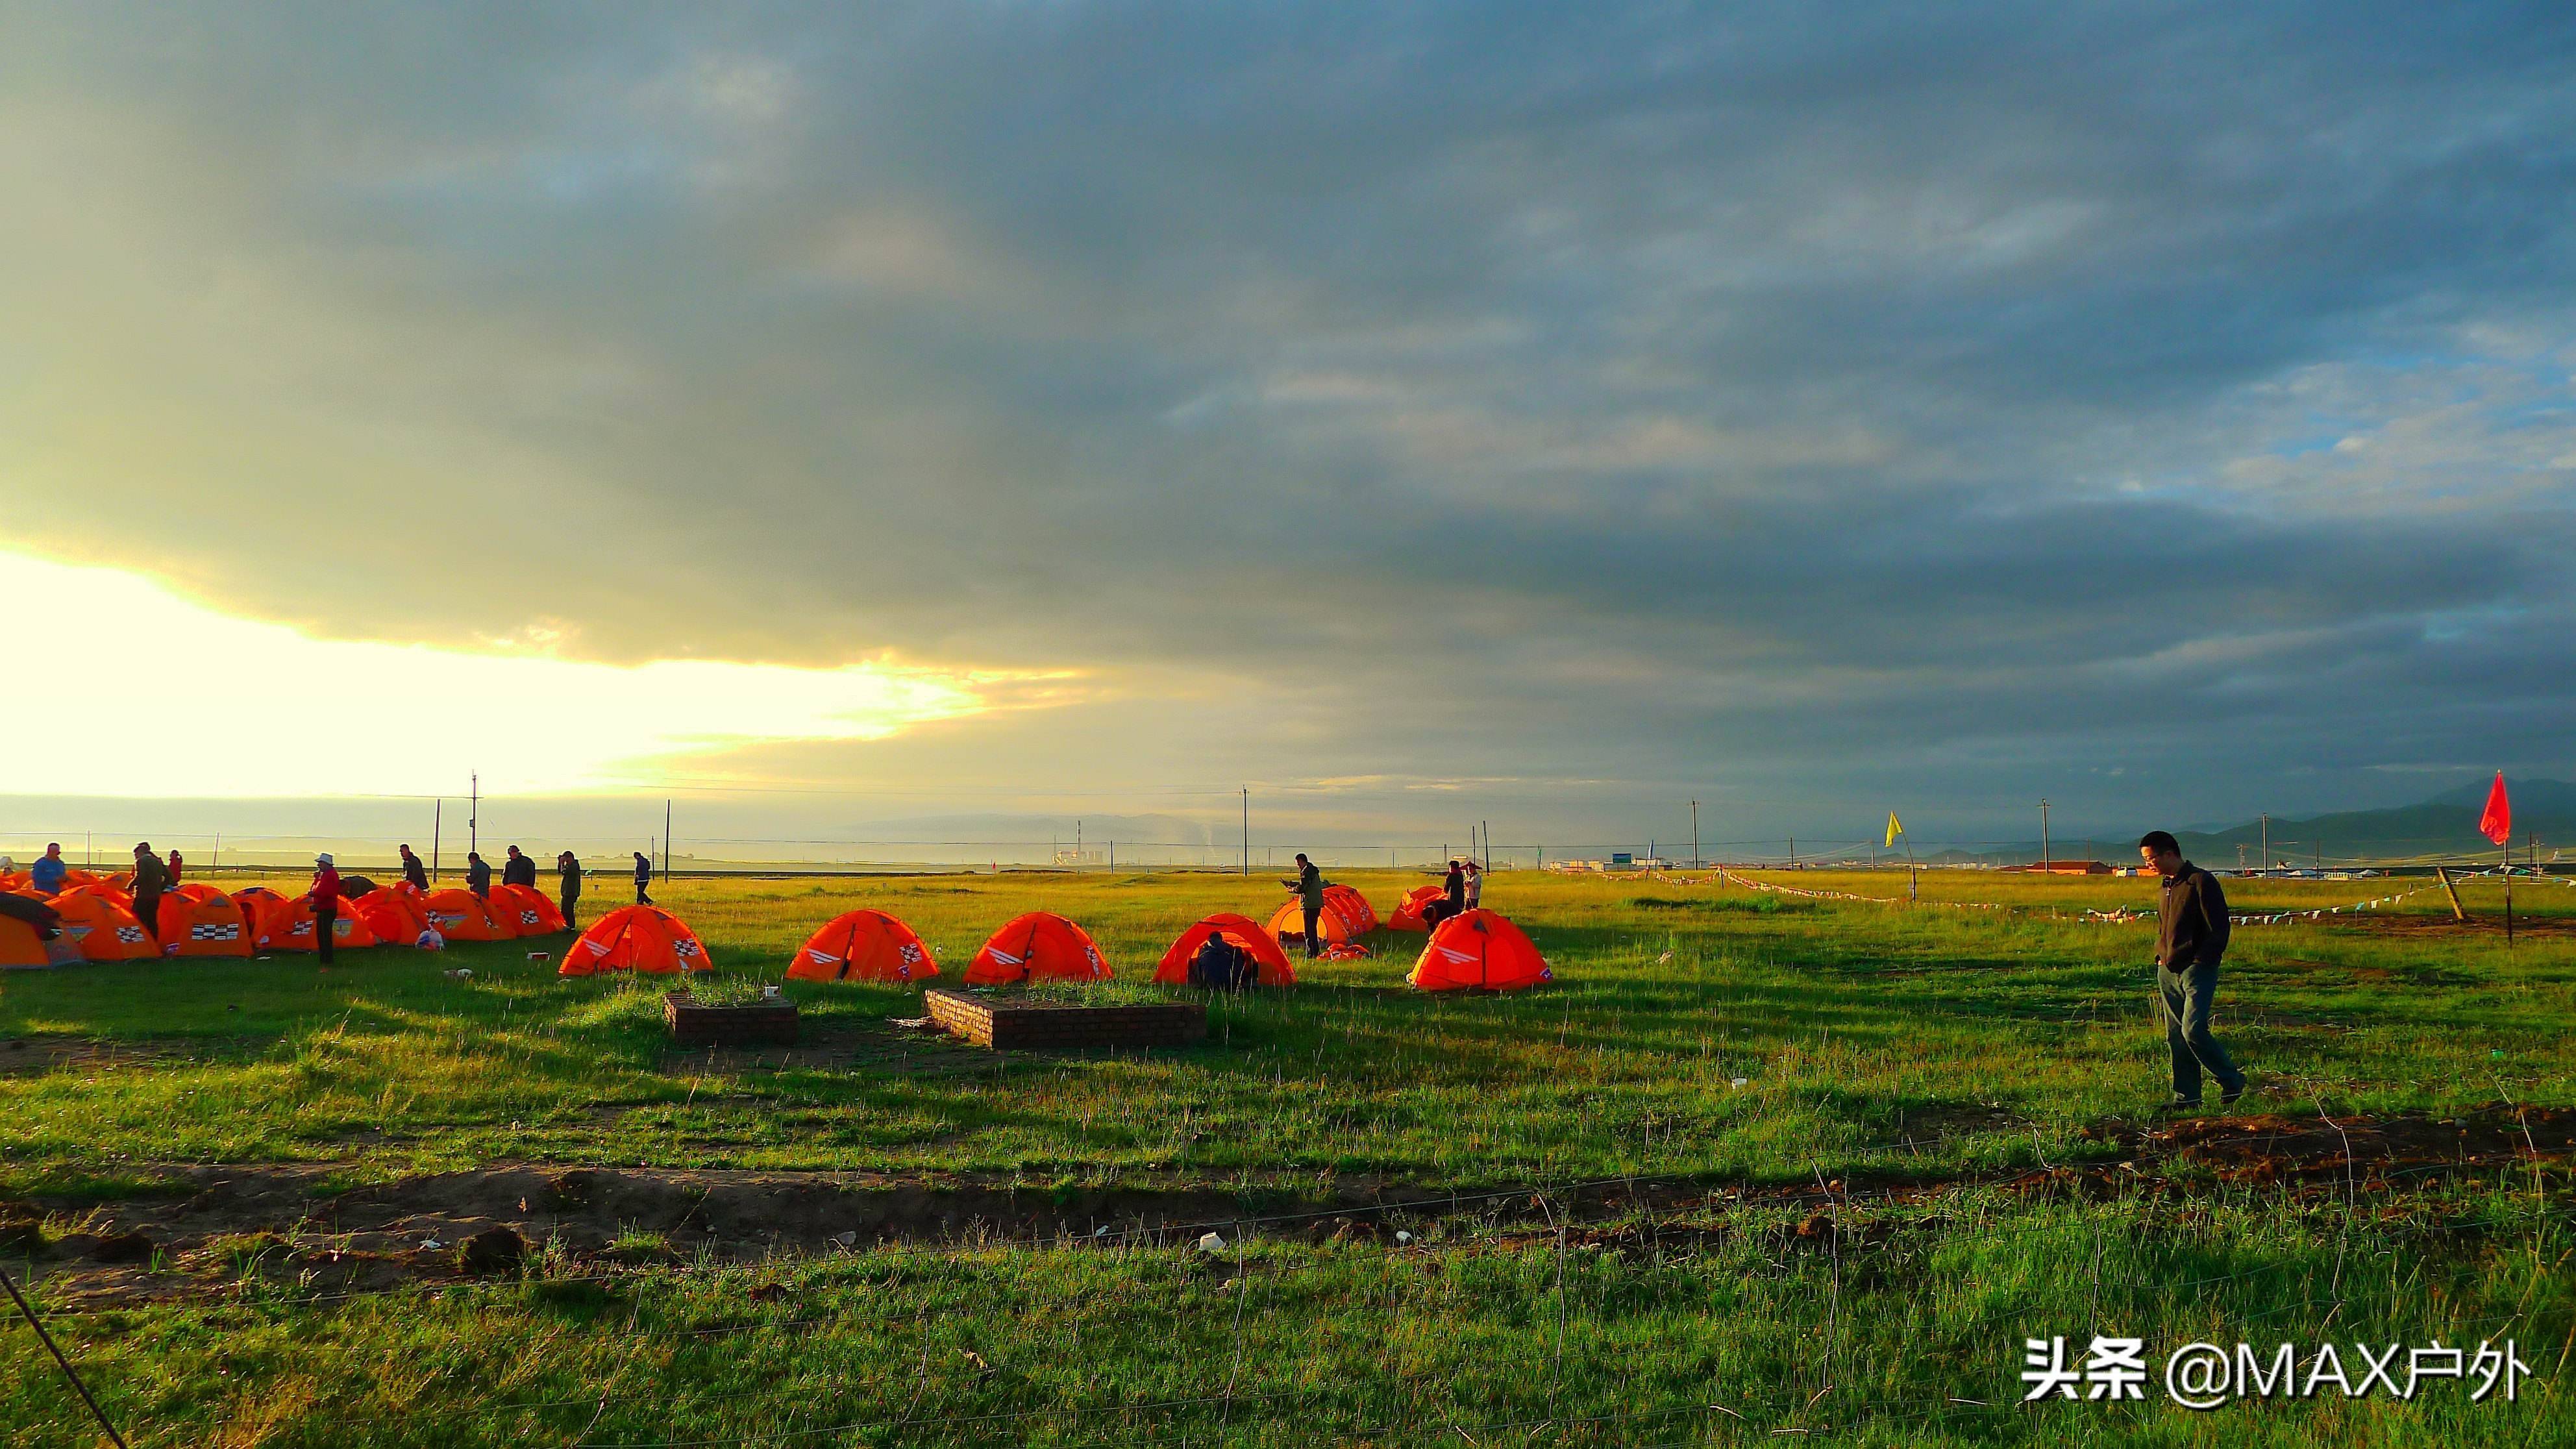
pixel 2044 861
pixel 437 817
pixel 1489 844
pixel 473 809
pixel 666 837
pixel 2267 841
pixel 1694 835
pixel 1793 852
pixel 1247 830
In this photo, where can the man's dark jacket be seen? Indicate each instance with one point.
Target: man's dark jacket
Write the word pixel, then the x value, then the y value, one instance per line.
pixel 2192 926
pixel 519 870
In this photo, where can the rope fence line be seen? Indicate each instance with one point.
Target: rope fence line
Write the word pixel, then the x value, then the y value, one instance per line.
pixel 2120 916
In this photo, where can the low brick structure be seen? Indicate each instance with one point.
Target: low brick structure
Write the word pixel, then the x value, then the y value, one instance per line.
pixel 768 1023
pixel 1022 1025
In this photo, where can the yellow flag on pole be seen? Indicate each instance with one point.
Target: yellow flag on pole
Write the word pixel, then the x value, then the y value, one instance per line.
pixel 1895 828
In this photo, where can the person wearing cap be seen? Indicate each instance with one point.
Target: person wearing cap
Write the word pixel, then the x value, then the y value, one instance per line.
pixel 151 878
pixel 568 886
pixel 46 875
pixel 326 904
pixel 1475 875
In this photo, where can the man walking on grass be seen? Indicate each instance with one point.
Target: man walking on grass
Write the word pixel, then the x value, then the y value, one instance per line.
pixel 2191 936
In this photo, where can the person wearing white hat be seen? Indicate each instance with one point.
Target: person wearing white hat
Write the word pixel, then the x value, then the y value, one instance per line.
pixel 326 904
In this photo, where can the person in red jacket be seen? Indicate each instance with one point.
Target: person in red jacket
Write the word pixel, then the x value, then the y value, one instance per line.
pixel 326 905
pixel 176 865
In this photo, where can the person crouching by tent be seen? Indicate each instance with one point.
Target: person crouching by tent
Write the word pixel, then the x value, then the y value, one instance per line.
pixel 46 875
pixel 643 878
pixel 1223 965
pixel 519 869
pixel 567 887
pixel 414 874
pixel 478 876
pixel 151 879
pixel 326 904
pixel 1309 886
pixel 1453 897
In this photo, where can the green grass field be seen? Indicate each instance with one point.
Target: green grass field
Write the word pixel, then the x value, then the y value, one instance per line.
pixel 1753 1163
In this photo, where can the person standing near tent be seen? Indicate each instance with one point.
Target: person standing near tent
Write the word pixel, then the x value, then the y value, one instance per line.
pixel 1309 886
pixel 519 869
pixel 151 878
pixel 643 878
pixel 326 904
pixel 413 873
pixel 176 865
pixel 568 887
pixel 2191 936
pixel 46 875
pixel 478 875
pixel 1475 879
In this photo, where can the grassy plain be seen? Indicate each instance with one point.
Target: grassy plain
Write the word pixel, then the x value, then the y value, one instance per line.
pixel 1865 1150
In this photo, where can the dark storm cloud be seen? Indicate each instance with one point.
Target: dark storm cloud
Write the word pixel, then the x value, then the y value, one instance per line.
pixel 1957 400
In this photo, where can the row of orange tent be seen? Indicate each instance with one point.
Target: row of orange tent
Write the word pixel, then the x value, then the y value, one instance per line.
pixel 1478 950
pixel 195 919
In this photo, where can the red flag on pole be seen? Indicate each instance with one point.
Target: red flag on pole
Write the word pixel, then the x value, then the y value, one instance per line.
pixel 2497 823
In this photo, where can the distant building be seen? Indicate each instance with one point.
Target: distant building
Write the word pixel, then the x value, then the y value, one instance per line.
pixel 2065 867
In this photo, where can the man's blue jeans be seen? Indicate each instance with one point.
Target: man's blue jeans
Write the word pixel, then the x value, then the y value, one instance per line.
pixel 2183 999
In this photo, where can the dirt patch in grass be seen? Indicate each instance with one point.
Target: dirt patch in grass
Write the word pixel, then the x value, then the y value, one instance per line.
pixel 2362 1152
pixel 213 1230
pixel 35 1056
pixel 877 1050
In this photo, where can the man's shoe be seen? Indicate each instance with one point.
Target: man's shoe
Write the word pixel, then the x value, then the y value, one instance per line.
pixel 2227 1097
pixel 2181 1104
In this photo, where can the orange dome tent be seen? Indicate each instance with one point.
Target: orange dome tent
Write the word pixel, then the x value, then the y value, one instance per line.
pixel 19 881
pixel 1346 916
pixel 105 930
pixel 460 915
pixel 20 945
pixel 256 902
pixel 208 925
pixel 199 891
pixel 1034 945
pixel 392 913
pixel 863 946
pixel 290 926
pixel 1272 963
pixel 1479 951
pixel 635 938
pixel 526 911
pixel 1408 916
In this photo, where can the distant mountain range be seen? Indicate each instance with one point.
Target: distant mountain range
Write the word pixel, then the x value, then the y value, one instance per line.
pixel 2446 825
pixel 2443 827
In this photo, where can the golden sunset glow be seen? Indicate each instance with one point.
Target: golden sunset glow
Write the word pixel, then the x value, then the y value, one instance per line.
pixel 180 700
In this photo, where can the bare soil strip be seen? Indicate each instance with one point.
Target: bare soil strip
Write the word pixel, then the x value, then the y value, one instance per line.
pixel 214 1227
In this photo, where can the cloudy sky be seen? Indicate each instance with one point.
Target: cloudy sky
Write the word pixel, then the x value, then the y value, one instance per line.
pixel 1418 412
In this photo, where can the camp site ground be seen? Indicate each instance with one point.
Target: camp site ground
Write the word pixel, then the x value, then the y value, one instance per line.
pixel 1762 1161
